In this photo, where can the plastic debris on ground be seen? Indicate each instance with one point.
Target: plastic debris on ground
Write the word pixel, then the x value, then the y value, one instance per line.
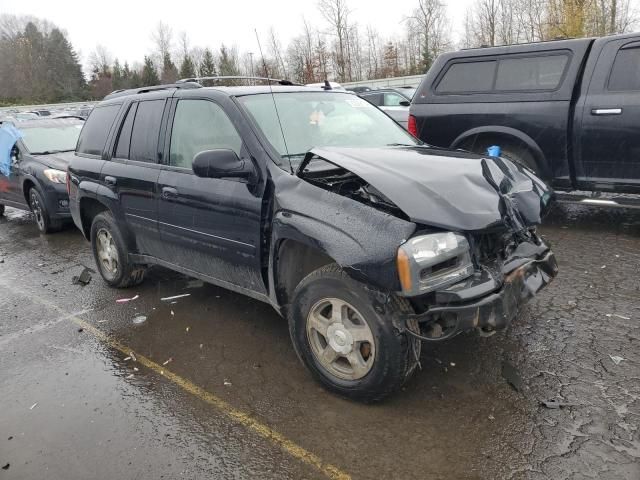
pixel 83 279
pixel 139 319
pixel 174 297
pixel 129 376
pixel 126 300
pixel 555 404
pixel 511 375
pixel 616 359
pixel 227 383
pixel 133 357
pixel 6 467
pixel 33 406
pixel 618 316
pixel 167 362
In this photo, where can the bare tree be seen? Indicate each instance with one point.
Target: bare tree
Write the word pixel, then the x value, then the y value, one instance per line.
pixel 162 37
pixel 100 59
pixel 336 13
pixel 275 49
pixel 431 20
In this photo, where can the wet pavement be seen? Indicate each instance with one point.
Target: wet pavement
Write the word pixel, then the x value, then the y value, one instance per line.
pixel 215 390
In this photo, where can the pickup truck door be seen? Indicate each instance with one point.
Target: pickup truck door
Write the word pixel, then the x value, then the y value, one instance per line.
pixel 608 138
pixel 11 187
pixel 209 226
pixel 133 172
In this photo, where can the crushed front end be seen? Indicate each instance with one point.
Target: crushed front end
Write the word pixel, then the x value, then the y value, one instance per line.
pixel 480 279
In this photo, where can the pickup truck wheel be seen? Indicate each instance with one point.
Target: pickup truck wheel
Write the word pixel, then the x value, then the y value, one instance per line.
pixel 111 255
pixel 348 346
pixel 39 209
pixel 519 156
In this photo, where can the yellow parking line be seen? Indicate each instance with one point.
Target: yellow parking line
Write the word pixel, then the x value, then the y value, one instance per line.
pixel 239 416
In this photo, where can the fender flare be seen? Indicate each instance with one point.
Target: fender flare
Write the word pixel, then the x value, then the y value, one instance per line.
pixel 518 135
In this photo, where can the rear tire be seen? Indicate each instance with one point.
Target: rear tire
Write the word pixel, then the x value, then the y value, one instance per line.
pixel 111 254
pixel 43 219
pixel 349 346
pixel 515 153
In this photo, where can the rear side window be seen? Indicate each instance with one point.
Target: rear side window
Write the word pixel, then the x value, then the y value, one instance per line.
pixel 468 77
pixel 96 129
pixel 393 99
pixel 146 128
pixel 374 99
pixel 625 74
pixel 124 139
pixel 530 73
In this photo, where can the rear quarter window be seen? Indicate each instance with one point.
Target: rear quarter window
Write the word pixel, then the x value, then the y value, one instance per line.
pixel 625 73
pixel 96 130
pixel 468 77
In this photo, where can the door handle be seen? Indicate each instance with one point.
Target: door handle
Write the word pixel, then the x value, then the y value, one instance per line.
pixel 169 192
pixel 109 180
pixel 606 111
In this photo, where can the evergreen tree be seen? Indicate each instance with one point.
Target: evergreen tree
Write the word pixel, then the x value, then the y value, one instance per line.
pixel 136 80
pixel 207 67
pixel 169 71
pixel 116 76
pixel 126 76
pixel 149 75
pixel 187 69
pixel 228 64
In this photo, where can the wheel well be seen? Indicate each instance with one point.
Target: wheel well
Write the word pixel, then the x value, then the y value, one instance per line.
pixel 89 208
pixel 26 186
pixel 294 261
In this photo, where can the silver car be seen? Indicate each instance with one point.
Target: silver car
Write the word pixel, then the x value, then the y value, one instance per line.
pixel 394 101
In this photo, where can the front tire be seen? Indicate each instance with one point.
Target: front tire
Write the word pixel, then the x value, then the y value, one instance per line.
pixel 349 346
pixel 111 254
pixel 39 209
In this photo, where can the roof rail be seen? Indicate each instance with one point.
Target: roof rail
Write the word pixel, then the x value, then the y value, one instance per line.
pixel 151 88
pixel 279 81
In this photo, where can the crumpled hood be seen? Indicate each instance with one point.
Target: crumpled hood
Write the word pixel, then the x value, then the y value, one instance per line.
pixel 59 161
pixel 445 188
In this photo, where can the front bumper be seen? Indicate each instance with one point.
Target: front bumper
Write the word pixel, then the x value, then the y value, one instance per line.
pixel 490 312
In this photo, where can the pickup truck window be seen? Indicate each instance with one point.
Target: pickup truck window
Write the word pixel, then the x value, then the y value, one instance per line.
pixel 146 128
pixel 124 139
pixel 200 125
pixel 625 73
pixel 94 133
pixel 531 73
pixel 468 77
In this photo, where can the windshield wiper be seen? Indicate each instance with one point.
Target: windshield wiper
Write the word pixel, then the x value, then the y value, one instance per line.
pixel 49 152
pixel 292 155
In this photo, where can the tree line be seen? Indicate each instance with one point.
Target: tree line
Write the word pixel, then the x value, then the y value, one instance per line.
pixel 38 64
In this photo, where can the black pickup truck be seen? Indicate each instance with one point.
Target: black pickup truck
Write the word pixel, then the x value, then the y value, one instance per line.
pixel 568 109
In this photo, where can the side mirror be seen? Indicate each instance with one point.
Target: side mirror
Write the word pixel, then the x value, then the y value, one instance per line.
pixel 405 103
pixel 222 163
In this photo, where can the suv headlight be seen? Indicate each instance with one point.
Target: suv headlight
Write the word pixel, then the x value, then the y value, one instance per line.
pixel 56 176
pixel 428 262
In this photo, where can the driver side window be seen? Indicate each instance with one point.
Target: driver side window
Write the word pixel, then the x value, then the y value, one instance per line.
pixel 200 125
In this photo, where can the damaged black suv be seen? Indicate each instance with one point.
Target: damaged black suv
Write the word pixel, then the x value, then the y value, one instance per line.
pixel 314 201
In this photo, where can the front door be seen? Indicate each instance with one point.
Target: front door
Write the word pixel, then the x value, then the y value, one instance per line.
pixel 609 138
pixel 209 226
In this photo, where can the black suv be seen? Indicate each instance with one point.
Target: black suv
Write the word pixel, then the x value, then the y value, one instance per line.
pixel 319 204
pixel 569 110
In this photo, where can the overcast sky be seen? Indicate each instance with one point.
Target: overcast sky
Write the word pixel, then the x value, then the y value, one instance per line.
pixel 125 27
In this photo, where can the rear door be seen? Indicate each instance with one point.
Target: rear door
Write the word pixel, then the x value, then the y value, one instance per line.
pixel 209 226
pixel 391 103
pixel 609 136
pixel 133 171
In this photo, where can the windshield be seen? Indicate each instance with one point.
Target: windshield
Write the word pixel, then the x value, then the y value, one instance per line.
pixel 322 119
pixel 58 138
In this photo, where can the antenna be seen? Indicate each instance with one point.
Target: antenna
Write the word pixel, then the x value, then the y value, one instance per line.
pixel 275 106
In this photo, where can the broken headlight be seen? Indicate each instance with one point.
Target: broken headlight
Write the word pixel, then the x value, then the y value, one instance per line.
pixel 428 262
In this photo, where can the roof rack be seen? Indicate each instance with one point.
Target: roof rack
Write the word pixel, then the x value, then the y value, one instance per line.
pixel 194 80
pixel 133 91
